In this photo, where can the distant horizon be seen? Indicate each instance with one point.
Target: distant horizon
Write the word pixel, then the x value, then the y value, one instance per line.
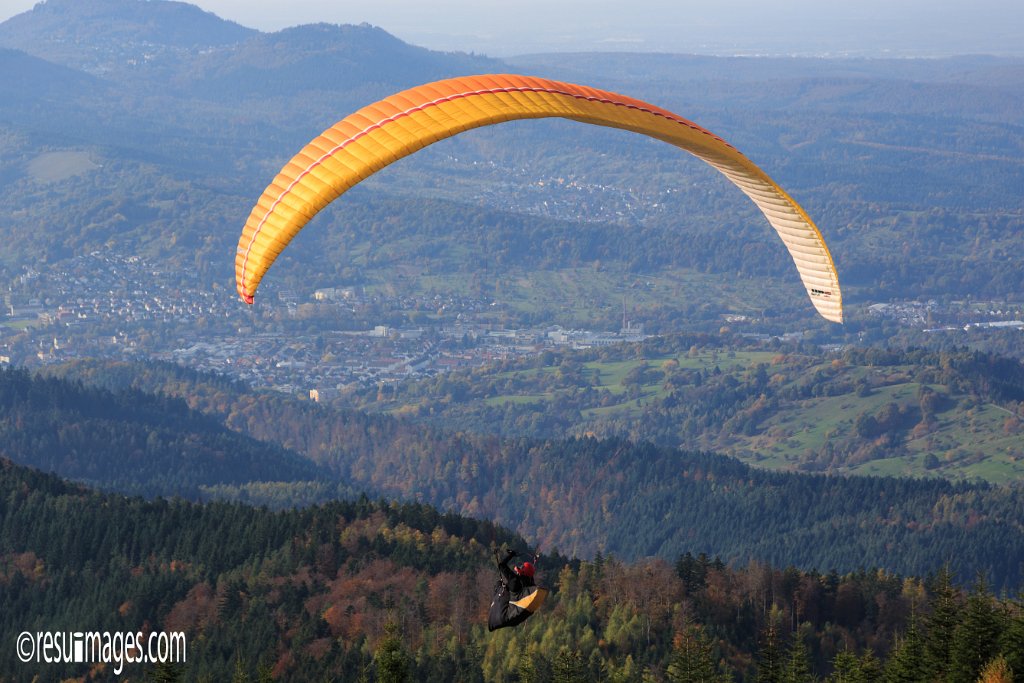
pixel 867 28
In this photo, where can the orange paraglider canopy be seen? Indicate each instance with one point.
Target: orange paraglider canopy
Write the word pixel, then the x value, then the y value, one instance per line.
pixel 377 135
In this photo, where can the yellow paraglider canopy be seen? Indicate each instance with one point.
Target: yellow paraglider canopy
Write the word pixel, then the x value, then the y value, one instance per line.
pixel 377 135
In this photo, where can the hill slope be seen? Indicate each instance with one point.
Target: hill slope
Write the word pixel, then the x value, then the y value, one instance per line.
pixel 334 574
pixel 353 63
pixel 634 500
pixel 352 588
pixel 131 441
pixel 954 414
pixel 31 78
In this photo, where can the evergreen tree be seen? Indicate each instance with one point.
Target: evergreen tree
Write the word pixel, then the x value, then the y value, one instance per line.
pixel 692 660
pixel 906 663
pixel 797 668
pixel 534 668
pixel 391 658
pixel 846 669
pixel 596 667
pixel 164 672
pixel 976 638
pixel 240 675
pixel 1011 643
pixel 629 672
pixel 940 624
pixel 870 667
pixel 569 667
pixel 769 656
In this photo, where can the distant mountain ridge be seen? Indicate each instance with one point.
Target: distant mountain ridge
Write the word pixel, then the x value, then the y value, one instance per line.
pixel 326 58
pixel 127 39
pixel 81 24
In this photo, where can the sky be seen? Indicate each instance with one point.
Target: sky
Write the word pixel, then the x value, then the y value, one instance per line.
pixel 804 27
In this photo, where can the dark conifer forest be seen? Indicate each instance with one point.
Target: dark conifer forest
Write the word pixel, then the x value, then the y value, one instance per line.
pixel 370 590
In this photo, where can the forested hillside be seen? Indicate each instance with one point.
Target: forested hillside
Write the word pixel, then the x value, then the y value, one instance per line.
pixel 131 441
pixel 302 593
pixel 590 495
pixel 376 591
pixel 956 414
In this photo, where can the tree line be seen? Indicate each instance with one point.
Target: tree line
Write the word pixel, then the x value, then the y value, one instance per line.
pixel 634 499
pixel 368 590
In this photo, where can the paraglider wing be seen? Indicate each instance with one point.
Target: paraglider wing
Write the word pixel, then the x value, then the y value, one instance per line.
pixel 377 135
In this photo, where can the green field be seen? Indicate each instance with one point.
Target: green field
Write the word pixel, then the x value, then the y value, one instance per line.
pixel 20 325
pixel 55 166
